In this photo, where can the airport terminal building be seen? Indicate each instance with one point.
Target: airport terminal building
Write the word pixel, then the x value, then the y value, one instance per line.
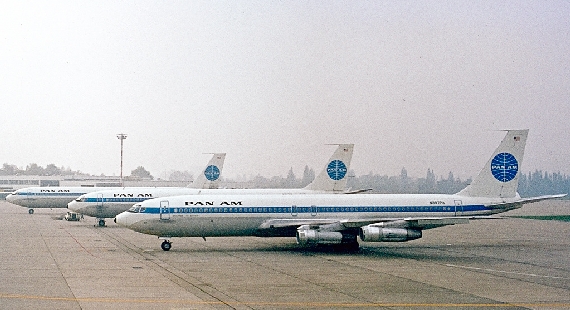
pixel 10 183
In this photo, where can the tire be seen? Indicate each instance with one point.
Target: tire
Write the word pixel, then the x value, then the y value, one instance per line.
pixel 166 246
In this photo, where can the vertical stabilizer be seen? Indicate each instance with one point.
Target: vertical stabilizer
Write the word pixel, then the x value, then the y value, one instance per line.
pixel 210 177
pixel 334 175
pixel 500 176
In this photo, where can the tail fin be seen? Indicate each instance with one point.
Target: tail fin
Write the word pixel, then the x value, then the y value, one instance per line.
pixel 500 176
pixel 333 177
pixel 210 177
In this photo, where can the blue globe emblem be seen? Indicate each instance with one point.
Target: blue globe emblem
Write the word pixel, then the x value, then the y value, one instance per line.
pixel 212 173
pixel 336 170
pixel 504 167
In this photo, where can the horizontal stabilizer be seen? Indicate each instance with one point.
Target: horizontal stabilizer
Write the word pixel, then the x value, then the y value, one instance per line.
pixel 540 198
pixel 358 191
pixel 518 203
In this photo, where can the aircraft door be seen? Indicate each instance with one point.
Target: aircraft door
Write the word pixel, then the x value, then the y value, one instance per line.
pixel 164 210
pixel 458 207
pixel 99 201
pixel 313 210
pixel 294 210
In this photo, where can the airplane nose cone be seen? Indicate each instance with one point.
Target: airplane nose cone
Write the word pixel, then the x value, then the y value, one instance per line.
pixel 121 219
pixel 73 206
pixel 10 198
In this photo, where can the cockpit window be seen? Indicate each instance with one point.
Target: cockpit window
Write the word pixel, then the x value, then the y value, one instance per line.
pixel 135 209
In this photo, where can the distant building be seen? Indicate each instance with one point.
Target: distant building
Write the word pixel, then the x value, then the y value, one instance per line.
pixel 9 183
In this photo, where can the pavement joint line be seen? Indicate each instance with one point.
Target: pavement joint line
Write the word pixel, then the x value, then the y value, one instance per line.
pixel 506 272
pixel 291 304
pixel 148 259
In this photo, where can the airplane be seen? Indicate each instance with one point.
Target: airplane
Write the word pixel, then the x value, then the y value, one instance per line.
pixel 96 207
pixel 337 220
pixel 47 197
pixel 109 203
pixel 60 196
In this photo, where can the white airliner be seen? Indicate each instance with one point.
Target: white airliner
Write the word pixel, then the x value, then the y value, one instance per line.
pixel 337 219
pixel 47 197
pixel 107 204
pixel 59 197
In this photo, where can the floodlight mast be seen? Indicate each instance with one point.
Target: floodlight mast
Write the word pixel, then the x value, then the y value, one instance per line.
pixel 121 137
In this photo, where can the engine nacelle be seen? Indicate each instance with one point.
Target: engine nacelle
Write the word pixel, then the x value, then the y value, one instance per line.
pixel 313 237
pixel 387 234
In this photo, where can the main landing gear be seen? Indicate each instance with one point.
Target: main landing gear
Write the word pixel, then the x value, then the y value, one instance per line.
pixel 101 222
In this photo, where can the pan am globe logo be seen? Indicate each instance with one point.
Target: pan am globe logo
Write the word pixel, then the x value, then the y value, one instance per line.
pixel 504 167
pixel 336 170
pixel 212 173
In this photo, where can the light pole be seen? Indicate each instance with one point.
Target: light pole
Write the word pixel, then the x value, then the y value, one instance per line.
pixel 121 137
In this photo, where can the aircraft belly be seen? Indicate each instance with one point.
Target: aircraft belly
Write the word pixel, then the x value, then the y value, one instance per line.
pixel 193 225
pixel 51 202
pixel 106 211
pixel 185 226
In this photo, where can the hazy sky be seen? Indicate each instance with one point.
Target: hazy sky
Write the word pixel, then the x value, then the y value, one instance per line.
pixel 414 84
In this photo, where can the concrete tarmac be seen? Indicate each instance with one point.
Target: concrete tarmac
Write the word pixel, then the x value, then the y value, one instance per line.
pixel 512 263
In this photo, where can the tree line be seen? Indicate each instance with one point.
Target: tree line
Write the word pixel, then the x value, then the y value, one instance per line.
pixel 531 184
pixel 52 170
pixel 35 169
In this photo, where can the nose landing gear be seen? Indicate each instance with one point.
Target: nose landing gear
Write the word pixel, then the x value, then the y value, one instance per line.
pixel 166 244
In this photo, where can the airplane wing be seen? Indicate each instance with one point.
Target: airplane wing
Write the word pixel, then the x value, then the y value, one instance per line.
pixel 420 223
pixel 350 224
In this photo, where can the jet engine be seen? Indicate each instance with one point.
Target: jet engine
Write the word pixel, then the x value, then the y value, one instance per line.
pixel 373 233
pixel 312 237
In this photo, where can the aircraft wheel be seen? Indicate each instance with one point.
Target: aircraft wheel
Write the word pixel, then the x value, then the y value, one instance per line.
pixel 101 223
pixel 166 245
pixel 31 211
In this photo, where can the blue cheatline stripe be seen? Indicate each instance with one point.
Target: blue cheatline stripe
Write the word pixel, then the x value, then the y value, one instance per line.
pixel 319 209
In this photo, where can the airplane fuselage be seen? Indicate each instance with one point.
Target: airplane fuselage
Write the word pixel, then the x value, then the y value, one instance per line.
pixel 275 215
pixel 48 197
pixel 108 204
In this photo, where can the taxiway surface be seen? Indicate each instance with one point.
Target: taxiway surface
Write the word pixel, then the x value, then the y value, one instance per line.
pixel 513 263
